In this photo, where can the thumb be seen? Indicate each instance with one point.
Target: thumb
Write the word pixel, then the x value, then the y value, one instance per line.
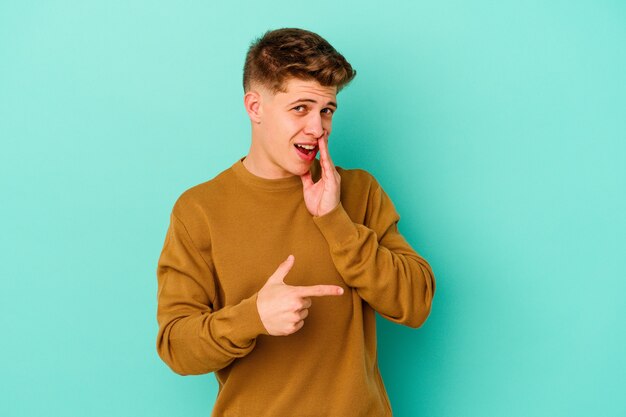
pixel 282 271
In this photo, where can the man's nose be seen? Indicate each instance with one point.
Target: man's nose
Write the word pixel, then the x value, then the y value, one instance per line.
pixel 314 125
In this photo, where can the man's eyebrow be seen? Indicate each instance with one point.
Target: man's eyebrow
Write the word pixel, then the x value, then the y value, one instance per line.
pixel 310 100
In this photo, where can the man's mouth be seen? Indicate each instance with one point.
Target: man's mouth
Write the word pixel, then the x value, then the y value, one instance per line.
pixel 306 150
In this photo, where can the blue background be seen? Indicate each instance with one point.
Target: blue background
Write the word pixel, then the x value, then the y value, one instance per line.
pixel 498 129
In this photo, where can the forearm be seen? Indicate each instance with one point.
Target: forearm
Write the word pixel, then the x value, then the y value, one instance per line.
pixel 386 272
pixel 202 341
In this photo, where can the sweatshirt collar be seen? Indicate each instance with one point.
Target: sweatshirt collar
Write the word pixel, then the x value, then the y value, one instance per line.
pixel 279 184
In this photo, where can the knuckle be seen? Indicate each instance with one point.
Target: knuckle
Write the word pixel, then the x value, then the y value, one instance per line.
pixel 295 305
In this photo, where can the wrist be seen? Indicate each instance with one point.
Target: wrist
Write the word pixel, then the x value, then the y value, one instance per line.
pixel 326 210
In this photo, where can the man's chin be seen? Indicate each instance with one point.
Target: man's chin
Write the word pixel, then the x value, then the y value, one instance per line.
pixel 302 168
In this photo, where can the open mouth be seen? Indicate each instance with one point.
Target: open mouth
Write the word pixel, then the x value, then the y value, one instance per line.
pixel 309 151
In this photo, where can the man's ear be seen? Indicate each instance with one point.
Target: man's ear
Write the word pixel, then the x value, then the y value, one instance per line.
pixel 252 103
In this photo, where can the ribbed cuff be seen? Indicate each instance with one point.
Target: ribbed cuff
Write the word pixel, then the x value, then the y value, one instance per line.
pixel 247 324
pixel 336 226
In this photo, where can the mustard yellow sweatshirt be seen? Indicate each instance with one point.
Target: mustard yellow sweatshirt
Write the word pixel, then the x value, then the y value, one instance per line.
pixel 228 235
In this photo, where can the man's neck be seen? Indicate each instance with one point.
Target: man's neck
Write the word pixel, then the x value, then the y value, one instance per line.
pixel 263 170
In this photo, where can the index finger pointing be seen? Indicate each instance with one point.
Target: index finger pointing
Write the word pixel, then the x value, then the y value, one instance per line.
pixel 319 290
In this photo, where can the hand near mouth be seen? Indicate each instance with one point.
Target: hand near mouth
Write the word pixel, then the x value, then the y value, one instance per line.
pixel 323 196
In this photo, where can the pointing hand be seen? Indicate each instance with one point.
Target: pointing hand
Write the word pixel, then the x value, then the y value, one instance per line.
pixel 283 307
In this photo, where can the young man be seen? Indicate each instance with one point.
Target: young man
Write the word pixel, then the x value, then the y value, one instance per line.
pixel 271 273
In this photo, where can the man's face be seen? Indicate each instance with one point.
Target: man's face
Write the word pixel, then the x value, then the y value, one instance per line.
pixel 291 124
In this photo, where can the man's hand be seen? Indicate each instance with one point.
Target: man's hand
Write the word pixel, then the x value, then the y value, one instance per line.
pixel 323 196
pixel 283 307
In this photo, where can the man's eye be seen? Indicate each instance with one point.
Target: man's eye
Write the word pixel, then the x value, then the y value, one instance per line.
pixel 299 108
pixel 328 111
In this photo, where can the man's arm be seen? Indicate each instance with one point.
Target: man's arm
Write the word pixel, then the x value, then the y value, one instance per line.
pixel 377 261
pixel 373 257
pixel 196 338
pixel 193 338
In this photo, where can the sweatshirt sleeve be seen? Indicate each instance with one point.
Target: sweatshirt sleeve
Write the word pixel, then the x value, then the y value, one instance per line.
pixel 376 260
pixel 194 337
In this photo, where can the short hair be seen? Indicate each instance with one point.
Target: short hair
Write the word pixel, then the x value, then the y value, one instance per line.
pixel 294 53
